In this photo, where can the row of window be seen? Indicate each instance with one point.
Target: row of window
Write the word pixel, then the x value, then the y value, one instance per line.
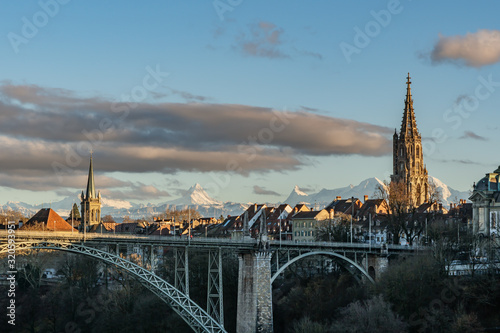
pixel 304 233
pixel 303 224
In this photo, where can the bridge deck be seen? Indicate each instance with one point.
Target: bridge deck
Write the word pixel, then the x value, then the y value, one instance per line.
pixel 201 242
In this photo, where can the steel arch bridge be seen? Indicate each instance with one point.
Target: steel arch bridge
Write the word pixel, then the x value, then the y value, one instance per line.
pixel 197 318
pixel 323 253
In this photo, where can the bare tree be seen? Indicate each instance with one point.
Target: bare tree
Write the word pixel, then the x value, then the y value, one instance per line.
pixel 396 203
pixel 402 218
pixel 372 315
pixel 435 195
pixel 181 215
pixel 333 230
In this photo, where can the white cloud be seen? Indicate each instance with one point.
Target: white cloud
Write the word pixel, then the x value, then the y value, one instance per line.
pixel 474 49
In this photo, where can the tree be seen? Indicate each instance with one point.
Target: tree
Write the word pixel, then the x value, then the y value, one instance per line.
pixel 372 315
pixel 74 213
pixel 108 218
pixel 435 196
pixel 413 285
pixel 402 214
pixel 305 325
pixel 336 230
pixel 12 215
pixel 181 215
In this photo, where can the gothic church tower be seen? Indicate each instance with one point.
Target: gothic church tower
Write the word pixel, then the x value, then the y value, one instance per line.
pixel 91 203
pixel 408 159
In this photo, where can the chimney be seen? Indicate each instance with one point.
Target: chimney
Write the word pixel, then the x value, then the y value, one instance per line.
pixel 365 198
pixel 338 197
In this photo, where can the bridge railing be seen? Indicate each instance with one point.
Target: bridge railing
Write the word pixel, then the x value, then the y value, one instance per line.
pixel 77 236
pixel 349 245
pixel 119 236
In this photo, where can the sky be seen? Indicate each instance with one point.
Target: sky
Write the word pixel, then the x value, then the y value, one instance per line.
pixel 246 98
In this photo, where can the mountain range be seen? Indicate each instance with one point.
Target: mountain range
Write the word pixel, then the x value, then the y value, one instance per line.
pixel 366 187
pixel 198 199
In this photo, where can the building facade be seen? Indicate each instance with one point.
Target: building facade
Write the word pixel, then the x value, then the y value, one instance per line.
pixel 408 158
pixel 305 224
pixel 91 202
pixel 486 205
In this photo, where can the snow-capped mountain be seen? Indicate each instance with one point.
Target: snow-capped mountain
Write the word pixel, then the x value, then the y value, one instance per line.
pixel 448 195
pixel 366 187
pixel 198 199
pixel 22 207
pixel 297 196
pixel 325 196
pixel 196 195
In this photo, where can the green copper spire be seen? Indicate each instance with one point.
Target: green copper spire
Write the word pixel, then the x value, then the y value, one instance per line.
pixel 90 182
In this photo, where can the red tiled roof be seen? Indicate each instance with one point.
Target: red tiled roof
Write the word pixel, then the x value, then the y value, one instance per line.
pixel 50 219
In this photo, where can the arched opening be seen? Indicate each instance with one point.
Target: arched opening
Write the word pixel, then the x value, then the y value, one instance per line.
pixel 418 195
pixel 371 272
pixel 348 264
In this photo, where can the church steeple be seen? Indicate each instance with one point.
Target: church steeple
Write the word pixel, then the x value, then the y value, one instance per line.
pixel 408 158
pixel 91 201
pixel 90 194
pixel 409 124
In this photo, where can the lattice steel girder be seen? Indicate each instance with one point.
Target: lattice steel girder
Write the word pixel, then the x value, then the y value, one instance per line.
pixel 197 318
pixel 215 306
pixel 182 269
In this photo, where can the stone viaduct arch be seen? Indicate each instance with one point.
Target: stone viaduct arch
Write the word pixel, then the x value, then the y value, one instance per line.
pixel 197 318
pixel 324 253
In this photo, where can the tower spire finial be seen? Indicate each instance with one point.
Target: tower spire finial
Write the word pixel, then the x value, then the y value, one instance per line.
pixel 408 126
pixel 90 181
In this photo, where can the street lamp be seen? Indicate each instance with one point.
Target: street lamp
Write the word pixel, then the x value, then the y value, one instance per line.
pixel 352 214
pixel 280 231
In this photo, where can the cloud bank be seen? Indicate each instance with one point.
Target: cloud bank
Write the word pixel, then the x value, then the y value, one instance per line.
pixel 47 134
pixel 262 191
pixel 473 136
pixel 474 49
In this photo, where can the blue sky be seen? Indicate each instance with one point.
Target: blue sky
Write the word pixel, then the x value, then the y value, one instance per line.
pixel 197 80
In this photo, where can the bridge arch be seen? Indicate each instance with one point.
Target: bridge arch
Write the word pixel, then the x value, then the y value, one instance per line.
pixel 197 318
pixel 324 253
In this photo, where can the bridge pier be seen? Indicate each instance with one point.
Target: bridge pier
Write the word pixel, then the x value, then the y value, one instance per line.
pixel 255 308
pixel 375 265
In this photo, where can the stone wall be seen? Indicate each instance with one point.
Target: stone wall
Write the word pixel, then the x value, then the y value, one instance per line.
pixel 255 308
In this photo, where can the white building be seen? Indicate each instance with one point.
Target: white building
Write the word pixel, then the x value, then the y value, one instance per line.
pixel 486 205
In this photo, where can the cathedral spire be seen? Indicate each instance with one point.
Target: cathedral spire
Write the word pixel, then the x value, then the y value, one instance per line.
pixel 408 157
pixel 90 181
pixel 409 124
